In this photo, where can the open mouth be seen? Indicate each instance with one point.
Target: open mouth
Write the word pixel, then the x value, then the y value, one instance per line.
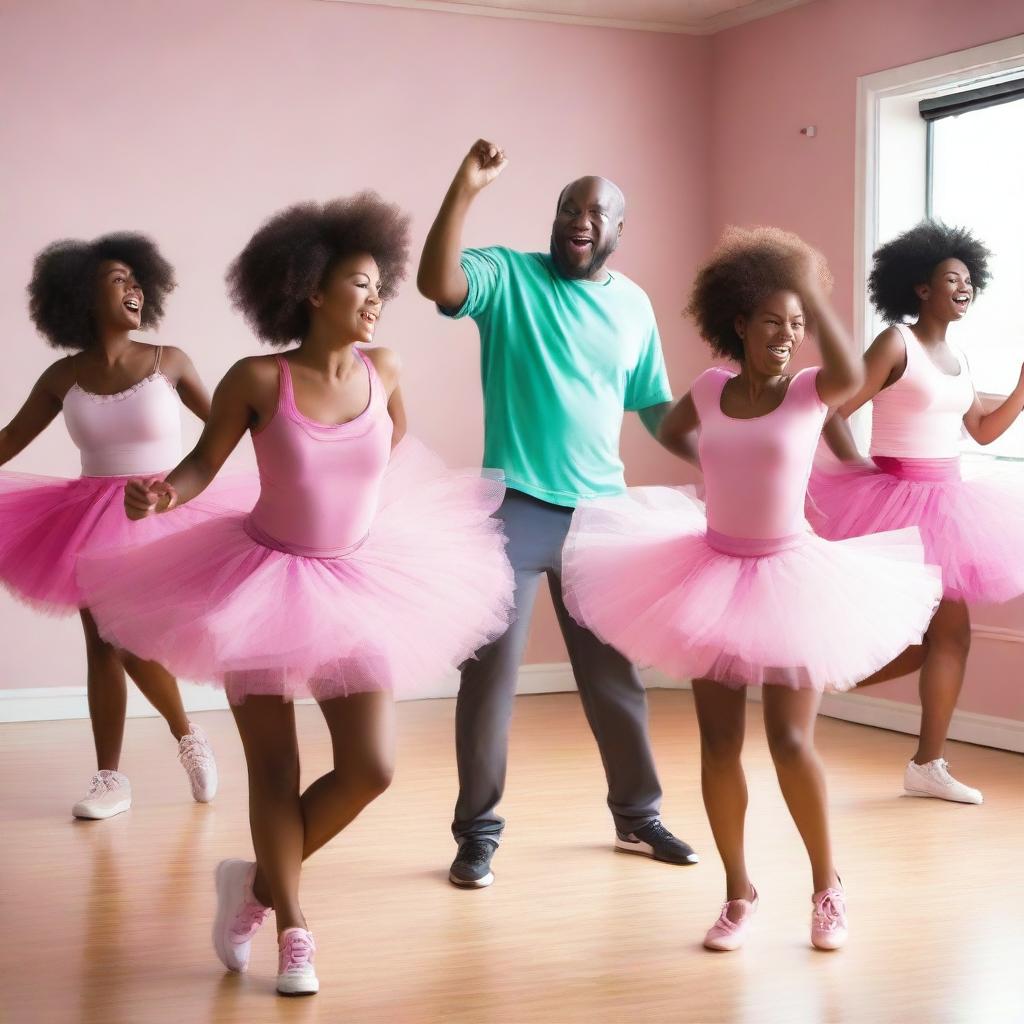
pixel 780 352
pixel 367 317
pixel 580 243
pixel 962 302
pixel 132 305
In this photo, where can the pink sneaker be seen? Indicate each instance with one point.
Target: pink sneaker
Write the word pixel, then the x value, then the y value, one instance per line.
pixel 725 934
pixel 239 913
pixel 295 973
pixel 828 919
pixel 196 757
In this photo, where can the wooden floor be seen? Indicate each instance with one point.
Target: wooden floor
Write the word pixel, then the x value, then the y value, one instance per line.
pixel 108 922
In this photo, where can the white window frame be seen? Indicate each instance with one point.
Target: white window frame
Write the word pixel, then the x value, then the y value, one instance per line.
pixel 890 142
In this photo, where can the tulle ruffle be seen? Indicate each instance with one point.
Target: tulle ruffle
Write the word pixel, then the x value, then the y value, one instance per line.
pixel 427 588
pixel 640 572
pixel 973 527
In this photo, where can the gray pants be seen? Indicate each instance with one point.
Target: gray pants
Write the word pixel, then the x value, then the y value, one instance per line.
pixel 613 696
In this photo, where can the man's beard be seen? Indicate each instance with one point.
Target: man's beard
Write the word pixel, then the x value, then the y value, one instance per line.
pixel 598 258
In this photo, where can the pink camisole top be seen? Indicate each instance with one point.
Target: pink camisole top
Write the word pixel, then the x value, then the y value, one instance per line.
pixel 756 470
pixel 921 415
pixel 320 483
pixel 135 432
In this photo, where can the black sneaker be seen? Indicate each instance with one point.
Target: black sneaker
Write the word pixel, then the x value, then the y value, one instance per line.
pixel 471 868
pixel 654 840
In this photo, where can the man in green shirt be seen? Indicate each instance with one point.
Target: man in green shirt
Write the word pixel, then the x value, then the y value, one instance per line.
pixel 566 346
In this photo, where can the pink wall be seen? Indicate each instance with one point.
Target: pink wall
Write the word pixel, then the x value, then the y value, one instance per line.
pixel 194 120
pixel 800 67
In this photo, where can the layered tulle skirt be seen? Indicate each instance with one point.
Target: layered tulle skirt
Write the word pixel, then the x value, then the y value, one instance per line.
pixel 47 523
pixel 646 575
pixel 428 586
pixel 973 527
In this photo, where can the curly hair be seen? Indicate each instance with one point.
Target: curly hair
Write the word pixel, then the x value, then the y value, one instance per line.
pixel 62 292
pixel 910 259
pixel 747 266
pixel 291 255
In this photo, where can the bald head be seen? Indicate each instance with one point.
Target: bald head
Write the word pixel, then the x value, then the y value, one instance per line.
pixel 588 223
pixel 605 189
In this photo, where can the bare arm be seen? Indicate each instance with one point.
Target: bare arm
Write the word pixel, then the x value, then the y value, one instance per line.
pixel 652 415
pixel 244 399
pixel 42 406
pixel 884 363
pixel 986 426
pixel 679 430
pixel 842 370
pixel 191 389
pixel 440 277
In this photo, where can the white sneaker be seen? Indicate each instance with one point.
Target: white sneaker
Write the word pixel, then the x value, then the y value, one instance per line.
pixel 239 913
pixel 933 779
pixel 295 973
pixel 196 757
pixel 109 793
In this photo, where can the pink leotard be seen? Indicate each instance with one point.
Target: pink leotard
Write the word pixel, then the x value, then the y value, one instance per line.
pixel 320 483
pixel 756 470
pixel 921 415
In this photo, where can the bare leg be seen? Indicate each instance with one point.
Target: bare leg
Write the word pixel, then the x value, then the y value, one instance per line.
pixel 905 664
pixel 107 695
pixel 160 688
pixel 942 678
pixel 266 726
pixel 721 716
pixel 789 717
pixel 362 738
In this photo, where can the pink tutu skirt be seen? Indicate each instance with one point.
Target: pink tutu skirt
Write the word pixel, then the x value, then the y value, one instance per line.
pixel 972 528
pixel 644 572
pixel 47 523
pixel 427 588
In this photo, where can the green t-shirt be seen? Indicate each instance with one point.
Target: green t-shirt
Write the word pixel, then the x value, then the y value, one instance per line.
pixel 560 361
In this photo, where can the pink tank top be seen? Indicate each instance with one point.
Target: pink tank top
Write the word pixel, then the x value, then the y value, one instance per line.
pixel 921 415
pixel 756 471
pixel 319 483
pixel 133 432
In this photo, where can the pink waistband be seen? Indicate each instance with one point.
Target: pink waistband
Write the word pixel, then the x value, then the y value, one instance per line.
pixel 935 470
pixel 752 547
pixel 294 549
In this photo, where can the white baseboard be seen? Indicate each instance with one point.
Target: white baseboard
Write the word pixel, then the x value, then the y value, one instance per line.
pixel 62 702
pixel 48 704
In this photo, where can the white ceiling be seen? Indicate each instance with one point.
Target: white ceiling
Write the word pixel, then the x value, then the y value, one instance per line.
pixel 695 17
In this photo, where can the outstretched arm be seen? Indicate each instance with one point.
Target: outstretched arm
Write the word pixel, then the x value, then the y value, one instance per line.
pixel 986 427
pixel 440 277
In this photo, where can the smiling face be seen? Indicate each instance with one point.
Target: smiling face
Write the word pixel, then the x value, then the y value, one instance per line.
pixel 587 226
pixel 949 293
pixel 348 303
pixel 772 333
pixel 119 298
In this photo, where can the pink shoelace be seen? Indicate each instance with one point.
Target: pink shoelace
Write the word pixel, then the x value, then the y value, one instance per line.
pixel 102 782
pixel 249 919
pixel 297 951
pixel 829 910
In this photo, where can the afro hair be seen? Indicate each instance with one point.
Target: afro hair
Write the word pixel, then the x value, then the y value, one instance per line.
pixel 290 256
pixel 746 267
pixel 65 275
pixel 909 260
